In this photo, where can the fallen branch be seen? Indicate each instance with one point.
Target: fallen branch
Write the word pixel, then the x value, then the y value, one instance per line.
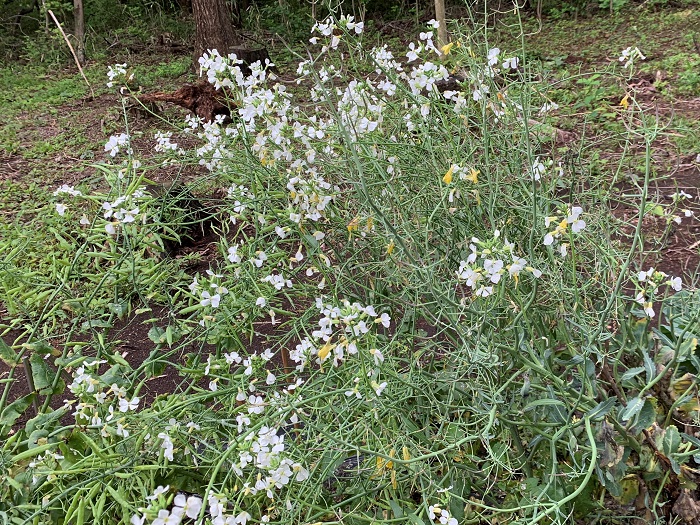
pixel 75 57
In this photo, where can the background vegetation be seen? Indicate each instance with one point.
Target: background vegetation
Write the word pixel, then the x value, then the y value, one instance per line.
pixel 458 287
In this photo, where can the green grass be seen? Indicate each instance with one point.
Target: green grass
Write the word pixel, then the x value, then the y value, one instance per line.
pixel 474 348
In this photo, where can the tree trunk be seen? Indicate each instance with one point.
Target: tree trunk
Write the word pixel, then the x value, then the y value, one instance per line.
pixel 443 37
pixel 79 31
pixel 214 27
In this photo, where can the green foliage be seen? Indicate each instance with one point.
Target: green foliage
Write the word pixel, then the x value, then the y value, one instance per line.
pixel 461 326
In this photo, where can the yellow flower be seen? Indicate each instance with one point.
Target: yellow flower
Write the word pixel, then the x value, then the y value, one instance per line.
pixel 562 227
pixel 473 175
pixel 390 247
pixel 447 48
pixel 447 179
pixel 325 350
pixel 625 101
pixel 354 225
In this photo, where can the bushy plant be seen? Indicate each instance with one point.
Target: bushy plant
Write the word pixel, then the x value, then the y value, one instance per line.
pixel 449 328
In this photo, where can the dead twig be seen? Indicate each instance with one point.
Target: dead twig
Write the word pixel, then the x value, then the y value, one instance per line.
pixel 75 57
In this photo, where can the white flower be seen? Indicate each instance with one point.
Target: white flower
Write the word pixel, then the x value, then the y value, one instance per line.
pixel 261 302
pixel 256 405
pixel 378 356
pixel 629 55
pixel 413 52
pixel 548 239
pixel 167 445
pixel 538 169
pixel 573 219
pixel 378 388
pixel 125 405
pixel 647 305
pixel 190 506
pixel 61 208
pixel 492 56
pixel 260 258
pixel 511 63
pixel 114 142
pixel 160 490
pixel 210 300
pixel 166 518
pixel 384 319
pixel 72 191
pixel 233 254
pixel 676 283
pixel 643 276
pixel 484 291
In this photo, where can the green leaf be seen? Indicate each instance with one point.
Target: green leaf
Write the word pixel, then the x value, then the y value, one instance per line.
pixel 42 374
pixel 632 409
pixel 632 372
pixel 157 335
pixel 95 323
pixel 645 417
pixel 670 441
pixel 115 374
pixel 413 518
pixel 692 439
pixel 543 402
pixel 40 347
pixel 598 412
pixel 8 355
pixel 45 420
pixel 396 509
pixel 14 410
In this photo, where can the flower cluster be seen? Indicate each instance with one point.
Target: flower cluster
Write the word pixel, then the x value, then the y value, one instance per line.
pixel 677 198
pixel 118 73
pixel 463 174
pixel 123 210
pixel 242 198
pixel 163 143
pixel 99 404
pixel 540 167
pixel 309 196
pixel 182 507
pixel 340 329
pixel 439 515
pixel 488 262
pixel 648 283
pixel 209 296
pixel 334 29
pixel 61 208
pixel 629 55
pixel 117 141
pixel 571 219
